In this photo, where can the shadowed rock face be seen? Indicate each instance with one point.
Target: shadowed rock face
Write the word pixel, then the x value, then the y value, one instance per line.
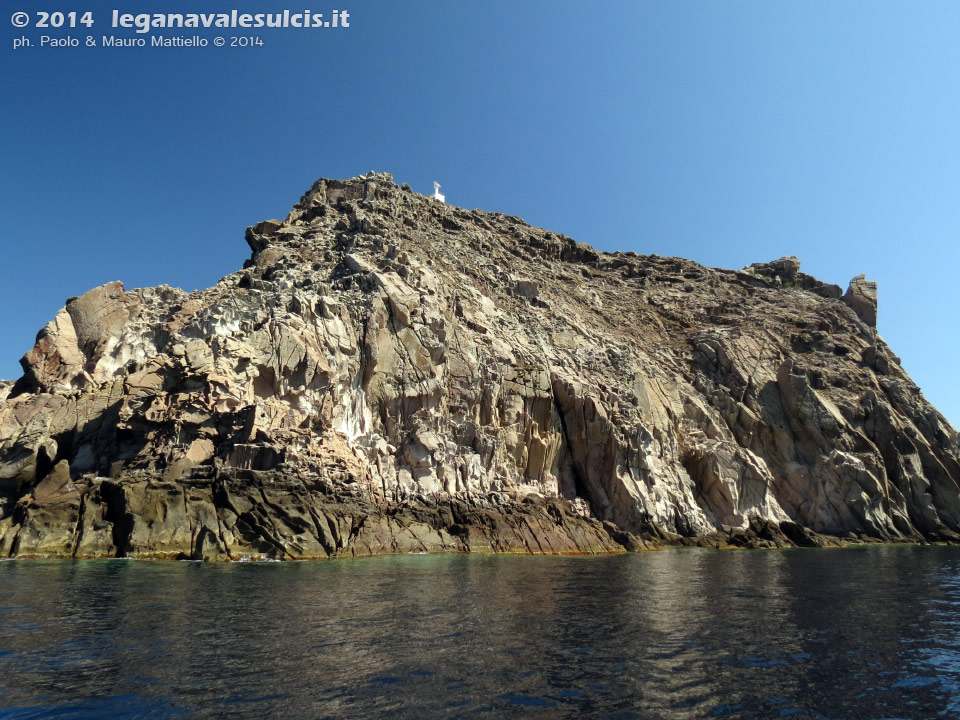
pixel 389 373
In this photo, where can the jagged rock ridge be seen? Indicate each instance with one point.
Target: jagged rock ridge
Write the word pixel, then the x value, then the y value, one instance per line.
pixel 389 373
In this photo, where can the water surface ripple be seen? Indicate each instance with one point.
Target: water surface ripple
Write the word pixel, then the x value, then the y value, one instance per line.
pixel 857 633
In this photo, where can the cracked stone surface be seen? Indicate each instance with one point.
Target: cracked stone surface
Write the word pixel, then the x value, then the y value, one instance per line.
pixel 388 373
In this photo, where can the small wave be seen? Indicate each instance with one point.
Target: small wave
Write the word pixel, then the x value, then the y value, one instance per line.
pixel 915 681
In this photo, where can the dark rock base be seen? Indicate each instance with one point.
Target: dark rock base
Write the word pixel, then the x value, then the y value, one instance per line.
pixel 251 515
pixel 260 516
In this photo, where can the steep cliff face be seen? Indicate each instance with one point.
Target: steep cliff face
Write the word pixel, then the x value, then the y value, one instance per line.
pixel 388 373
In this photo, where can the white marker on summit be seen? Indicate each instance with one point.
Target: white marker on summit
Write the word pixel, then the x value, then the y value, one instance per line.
pixel 436 192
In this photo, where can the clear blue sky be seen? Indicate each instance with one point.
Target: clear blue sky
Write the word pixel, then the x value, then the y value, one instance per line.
pixel 725 132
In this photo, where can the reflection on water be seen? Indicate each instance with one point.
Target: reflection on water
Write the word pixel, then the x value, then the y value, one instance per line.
pixel 860 633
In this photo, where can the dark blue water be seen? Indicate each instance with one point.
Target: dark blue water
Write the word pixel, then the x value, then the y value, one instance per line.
pixel 859 633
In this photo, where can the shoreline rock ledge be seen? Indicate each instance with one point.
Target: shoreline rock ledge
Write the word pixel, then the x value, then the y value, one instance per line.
pixel 388 373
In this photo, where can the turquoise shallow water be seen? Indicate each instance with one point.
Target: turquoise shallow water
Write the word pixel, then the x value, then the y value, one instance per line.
pixel 857 633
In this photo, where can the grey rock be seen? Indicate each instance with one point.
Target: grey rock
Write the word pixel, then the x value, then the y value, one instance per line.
pixel 861 295
pixel 392 374
pixel 785 269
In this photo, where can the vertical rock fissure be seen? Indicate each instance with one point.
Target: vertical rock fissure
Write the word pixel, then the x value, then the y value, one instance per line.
pixel 580 483
pixel 273 539
pixel 321 536
pixel 78 530
pixel 220 528
pixel 117 514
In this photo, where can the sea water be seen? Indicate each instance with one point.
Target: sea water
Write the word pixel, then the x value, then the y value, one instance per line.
pixel 856 633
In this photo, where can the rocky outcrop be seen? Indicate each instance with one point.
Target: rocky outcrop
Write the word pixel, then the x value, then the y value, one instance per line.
pixel 388 373
pixel 861 295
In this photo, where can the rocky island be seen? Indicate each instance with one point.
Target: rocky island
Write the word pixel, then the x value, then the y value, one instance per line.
pixel 388 373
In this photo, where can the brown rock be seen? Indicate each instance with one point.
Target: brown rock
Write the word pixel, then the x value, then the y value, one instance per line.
pixel 861 295
pixel 377 379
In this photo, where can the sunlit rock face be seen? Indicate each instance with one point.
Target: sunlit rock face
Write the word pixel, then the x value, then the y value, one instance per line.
pixel 389 373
